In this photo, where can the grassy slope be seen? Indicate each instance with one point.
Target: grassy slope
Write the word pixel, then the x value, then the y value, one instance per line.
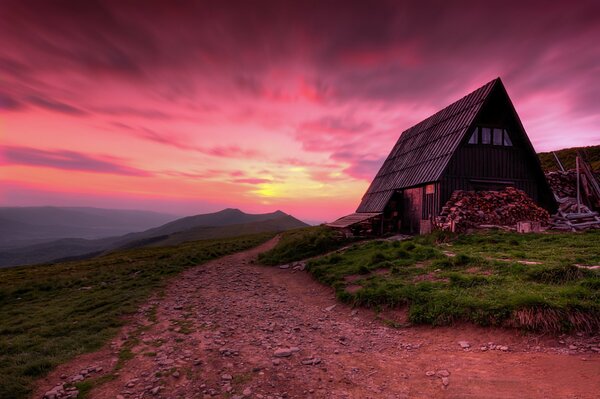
pixel 47 316
pixel 302 244
pixel 475 285
pixel 567 157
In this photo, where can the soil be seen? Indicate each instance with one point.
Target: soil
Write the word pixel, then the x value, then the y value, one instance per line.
pixel 219 326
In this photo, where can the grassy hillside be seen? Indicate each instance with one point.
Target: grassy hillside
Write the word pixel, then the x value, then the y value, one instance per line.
pixel 487 280
pixel 302 244
pixel 51 313
pixel 567 157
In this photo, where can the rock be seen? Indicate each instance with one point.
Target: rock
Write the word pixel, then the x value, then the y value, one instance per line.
pixel 504 348
pixel 284 266
pixel 247 392
pixel 226 377
pixel 572 347
pixel 445 381
pixel 430 373
pixel 155 390
pixel 464 344
pixel 276 362
pixel 311 361
pixel 330 308
pixel 443 373
pixel 176 374
pixel 282 353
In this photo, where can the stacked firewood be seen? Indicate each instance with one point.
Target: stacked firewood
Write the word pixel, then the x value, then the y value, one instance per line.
pixel 470 209
pixel 564 184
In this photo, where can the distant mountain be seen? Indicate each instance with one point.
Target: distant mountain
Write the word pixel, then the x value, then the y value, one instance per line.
pixel 226 223
pixel 567 158
pixel 279 223
pixel 23 226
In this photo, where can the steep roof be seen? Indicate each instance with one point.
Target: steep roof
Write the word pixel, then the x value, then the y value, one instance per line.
pixel 423 151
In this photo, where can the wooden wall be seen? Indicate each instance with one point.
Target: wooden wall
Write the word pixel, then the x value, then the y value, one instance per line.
pixel 472 164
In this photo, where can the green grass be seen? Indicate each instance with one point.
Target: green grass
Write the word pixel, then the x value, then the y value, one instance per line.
pixel 51 313
pixel 483 283
pixel 301 244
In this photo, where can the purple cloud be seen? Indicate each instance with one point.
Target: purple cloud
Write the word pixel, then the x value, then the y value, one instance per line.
pixel 68 160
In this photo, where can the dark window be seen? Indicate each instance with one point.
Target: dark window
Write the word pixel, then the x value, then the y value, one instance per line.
pixel 486 135
pixel 507 141
pixel 473 139
pixel 497 136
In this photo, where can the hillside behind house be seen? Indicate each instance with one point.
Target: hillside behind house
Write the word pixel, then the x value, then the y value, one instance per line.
pixel 567 158
pixel 222 224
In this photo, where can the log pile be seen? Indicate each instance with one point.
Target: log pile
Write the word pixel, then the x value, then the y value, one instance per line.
pixel 563 184
pixel 570 216
pixel 471 209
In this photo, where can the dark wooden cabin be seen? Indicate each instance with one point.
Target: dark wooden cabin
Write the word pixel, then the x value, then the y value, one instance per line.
pixel 477 143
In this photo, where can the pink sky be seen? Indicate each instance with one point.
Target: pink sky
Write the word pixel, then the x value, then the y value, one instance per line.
pixel 266 105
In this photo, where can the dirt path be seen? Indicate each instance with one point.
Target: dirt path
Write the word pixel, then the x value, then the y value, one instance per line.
pixel 219 326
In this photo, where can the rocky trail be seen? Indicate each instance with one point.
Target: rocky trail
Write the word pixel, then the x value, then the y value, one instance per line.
pixel 233 329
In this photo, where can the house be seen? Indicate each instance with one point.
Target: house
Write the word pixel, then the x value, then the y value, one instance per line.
pixel 477 143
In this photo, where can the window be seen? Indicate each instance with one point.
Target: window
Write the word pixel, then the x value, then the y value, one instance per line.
pixel 490 135
pixel 486 135
pixel 497 136
pixel 507 141
pixel 473 139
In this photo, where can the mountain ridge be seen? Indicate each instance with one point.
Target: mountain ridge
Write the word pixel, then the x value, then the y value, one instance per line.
pixel 225 223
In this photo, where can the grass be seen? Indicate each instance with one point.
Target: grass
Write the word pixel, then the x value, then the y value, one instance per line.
pixel 301 244
pixel 483 283
pixel 51 313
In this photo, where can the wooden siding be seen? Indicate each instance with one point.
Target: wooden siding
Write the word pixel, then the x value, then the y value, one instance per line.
pixel 472 164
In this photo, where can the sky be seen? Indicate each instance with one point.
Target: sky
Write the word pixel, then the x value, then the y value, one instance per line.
pixel 193 106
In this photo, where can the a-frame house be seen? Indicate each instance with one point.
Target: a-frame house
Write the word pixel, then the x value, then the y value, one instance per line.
pixel 477 143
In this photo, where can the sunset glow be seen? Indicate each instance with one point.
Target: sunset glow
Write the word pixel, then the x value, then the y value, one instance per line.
pixel 269 105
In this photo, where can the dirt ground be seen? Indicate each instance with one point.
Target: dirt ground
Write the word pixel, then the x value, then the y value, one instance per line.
pixel 233 329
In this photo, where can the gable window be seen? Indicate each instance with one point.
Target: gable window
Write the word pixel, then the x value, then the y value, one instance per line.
pixel 490 136
pixel 474 137
pixel 486 135
pixel 497 136
pixel 507 141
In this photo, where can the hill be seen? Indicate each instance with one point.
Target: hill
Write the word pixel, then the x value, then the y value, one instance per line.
pixel 279 223
pixel 225 223
pixel 567 158
pixel 24 226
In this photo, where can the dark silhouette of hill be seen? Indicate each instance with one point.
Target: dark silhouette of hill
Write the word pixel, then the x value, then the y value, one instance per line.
pixel 225 223
pixel 24 226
